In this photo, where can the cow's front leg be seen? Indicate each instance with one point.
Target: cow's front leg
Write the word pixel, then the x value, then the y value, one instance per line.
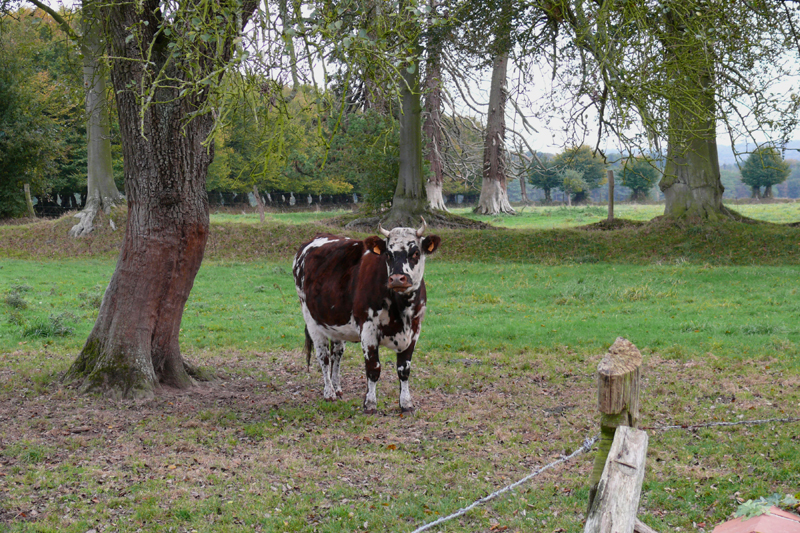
pixel 403 373
pixel 369 344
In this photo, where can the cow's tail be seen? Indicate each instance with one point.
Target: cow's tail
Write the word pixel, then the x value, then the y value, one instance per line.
pixel 309 345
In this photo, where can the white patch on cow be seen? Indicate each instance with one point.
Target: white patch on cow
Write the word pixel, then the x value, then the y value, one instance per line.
pixel 405 396
pixel 345 332
pixel 369 333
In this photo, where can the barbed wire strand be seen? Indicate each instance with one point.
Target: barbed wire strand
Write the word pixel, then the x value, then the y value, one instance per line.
pixel 715 424
pixel 587 446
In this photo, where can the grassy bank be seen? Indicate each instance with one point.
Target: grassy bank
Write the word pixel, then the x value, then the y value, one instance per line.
pixel 727 243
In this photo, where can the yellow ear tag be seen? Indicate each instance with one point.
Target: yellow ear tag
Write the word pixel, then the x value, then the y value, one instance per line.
pixel 377 250
pixel 430 247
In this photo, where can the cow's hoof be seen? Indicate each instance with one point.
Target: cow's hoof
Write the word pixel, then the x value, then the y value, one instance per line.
pixel 339 394
pixel 370 411
pixel 408 410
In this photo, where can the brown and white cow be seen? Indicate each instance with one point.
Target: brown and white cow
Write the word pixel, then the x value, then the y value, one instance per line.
pixel 368 291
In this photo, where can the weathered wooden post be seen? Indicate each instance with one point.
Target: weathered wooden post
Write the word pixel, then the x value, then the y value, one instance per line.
pixel 617 498
pixel 610 174
pixel 26 188
pixel 618 377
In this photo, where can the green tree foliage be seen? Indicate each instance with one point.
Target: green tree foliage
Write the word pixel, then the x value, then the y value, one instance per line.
pixel 544 175
pixel 365 154
pixel 43 110
pixel 591 167
pixel 572 182
pixel 35 108
pixel 640 175
pixel 764 168
pixel 267 135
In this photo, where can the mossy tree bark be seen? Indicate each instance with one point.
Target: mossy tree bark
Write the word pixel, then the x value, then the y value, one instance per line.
pixel 691 184
pixel 410 200
pixel 134 345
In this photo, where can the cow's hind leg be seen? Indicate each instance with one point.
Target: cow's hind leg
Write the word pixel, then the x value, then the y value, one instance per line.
pixel 324 357
pixel 337 349
pixel 403 374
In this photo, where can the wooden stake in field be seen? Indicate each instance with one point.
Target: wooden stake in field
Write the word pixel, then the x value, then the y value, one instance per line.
pixel 610 174
pixel 618 377
pixel 28 202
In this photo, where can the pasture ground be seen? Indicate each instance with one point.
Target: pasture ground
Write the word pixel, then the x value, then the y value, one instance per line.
pixel 503 378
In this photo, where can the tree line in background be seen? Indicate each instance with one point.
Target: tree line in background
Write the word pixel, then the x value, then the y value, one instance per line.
pixel 308 147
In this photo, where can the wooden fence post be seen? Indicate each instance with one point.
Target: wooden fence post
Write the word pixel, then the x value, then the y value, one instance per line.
pixel 618 377
pixel 26 188
pixel 610 174
pixel 617 498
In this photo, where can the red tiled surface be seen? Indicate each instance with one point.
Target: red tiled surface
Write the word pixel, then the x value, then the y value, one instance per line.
pixel 777 521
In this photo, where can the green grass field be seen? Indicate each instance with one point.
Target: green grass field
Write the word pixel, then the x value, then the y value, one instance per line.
pixel 504 378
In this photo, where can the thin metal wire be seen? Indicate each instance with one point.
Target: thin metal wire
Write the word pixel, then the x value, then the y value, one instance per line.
pixel 716 424
pixel 587 445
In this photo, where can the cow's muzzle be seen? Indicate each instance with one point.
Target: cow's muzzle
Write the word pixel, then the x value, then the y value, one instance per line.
pixel 399 282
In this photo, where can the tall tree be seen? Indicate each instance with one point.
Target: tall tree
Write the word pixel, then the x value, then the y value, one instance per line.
pixel 432 127
pixel 494 196
pixel 675 70
pixel 410 200
pixel 175 53
pixel 102 192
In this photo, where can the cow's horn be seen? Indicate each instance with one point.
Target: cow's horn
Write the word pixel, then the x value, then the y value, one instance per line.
pixel 382 230
pixel 421 229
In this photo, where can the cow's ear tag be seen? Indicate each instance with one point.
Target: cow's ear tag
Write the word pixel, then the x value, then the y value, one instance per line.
pixel 431 246
pixel 377 250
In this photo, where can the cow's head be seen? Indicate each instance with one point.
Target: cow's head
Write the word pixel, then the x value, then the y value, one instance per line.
pixel 405 250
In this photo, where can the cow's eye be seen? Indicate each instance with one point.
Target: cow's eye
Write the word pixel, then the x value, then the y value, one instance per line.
pixel 415 255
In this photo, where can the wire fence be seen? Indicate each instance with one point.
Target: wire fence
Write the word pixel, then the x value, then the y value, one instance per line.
pixel 588 443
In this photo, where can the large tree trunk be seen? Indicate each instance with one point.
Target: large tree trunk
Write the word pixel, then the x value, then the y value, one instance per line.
pixel 432 128
pixel 409 200
pixel 691 183
pixel 102 191
pixel 134 345
pixel 494 197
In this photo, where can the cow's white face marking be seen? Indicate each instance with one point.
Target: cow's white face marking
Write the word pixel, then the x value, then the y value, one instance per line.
pixel 404 248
